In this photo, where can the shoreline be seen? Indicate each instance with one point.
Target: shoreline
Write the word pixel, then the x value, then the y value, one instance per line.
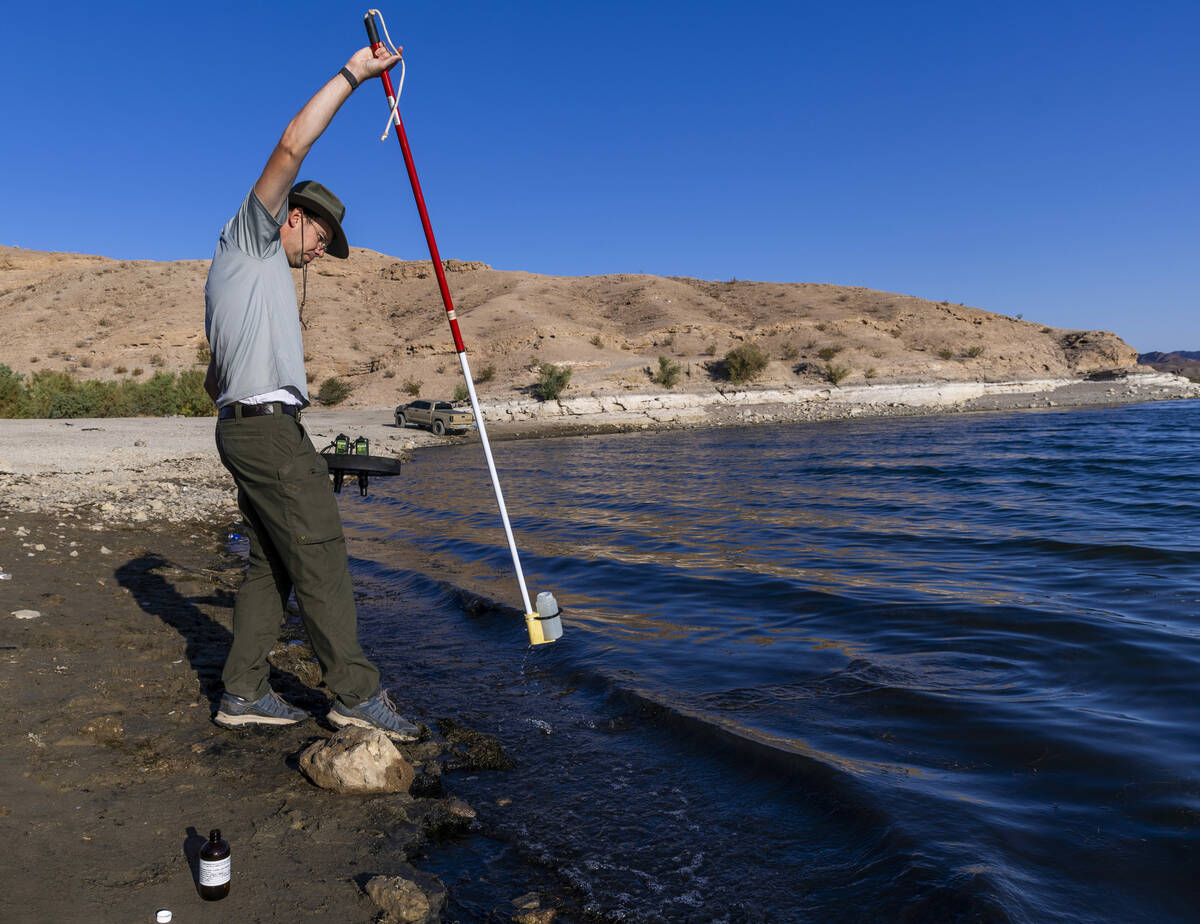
pixel 142 470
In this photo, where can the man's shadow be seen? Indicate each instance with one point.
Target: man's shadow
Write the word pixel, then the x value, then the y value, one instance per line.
pixel 207 640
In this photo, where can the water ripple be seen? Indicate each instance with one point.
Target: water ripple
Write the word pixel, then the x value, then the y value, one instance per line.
pixel 950 666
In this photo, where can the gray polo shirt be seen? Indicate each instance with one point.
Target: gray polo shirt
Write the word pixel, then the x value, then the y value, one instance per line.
pixel 250 316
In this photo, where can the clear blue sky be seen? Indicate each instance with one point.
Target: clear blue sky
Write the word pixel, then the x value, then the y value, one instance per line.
pixel 1035 158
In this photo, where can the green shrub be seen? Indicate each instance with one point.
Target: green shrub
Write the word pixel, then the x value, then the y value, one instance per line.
pixel 835 374
pixel 668 373
pixel 552 381
pixel 744 363
pixel 53 394
pixel 12 391
pixel 827 353
pixel 193 399
pixel 485 375
pixel 57 395
pixel 159 395
pixel 975 351
pixel 412 387
pixel 789 352
pixel 203 352
pixel 945 353
pixel 334 391
pixel 460 392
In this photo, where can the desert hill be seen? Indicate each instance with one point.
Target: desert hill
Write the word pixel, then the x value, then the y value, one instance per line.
pixel 1181 362
pixel 378 322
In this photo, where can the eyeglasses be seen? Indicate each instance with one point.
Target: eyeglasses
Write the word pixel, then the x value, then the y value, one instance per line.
pixel 322 239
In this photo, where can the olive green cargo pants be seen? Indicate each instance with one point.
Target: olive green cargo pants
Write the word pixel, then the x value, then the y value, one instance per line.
pixel 296 542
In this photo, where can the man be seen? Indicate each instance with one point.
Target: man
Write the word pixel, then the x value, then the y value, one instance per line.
pixel 256 377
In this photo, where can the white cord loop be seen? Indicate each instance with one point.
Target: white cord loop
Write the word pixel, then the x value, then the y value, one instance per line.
pixel 393 119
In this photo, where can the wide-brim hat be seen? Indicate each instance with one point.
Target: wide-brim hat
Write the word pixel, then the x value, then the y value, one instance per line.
pixel 313 197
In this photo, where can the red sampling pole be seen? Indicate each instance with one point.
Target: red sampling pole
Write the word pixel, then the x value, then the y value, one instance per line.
pixel 543 625
pixel 402 137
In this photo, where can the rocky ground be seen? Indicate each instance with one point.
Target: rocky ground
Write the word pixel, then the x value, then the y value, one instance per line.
pixel 112 640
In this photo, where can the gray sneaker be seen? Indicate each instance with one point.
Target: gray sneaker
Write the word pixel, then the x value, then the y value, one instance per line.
pixel 235 712
pixel 376 712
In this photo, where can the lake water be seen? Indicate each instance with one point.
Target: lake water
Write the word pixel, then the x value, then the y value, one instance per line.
pixel 935 669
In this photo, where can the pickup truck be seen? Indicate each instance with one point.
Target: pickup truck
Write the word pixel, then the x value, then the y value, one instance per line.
pixel 438 416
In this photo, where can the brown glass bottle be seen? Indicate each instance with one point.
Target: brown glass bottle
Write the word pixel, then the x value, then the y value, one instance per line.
pixel 214 868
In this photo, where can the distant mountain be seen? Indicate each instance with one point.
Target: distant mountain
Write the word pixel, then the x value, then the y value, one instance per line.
pixel 1182 362
pixel 1172 357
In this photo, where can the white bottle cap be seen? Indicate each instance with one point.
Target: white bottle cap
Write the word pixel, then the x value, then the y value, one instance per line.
pixel 163 917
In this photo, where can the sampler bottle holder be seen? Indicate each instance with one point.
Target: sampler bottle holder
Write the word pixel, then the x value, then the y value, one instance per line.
pixel 346 456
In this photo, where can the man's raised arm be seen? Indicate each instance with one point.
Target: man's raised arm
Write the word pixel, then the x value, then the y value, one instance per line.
pixel 306 126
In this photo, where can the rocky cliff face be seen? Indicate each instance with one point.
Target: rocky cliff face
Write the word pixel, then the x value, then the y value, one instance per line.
pixel 378 323
pixel 1091 351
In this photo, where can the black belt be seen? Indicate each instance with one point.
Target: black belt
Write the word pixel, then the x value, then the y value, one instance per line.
pixel 257 410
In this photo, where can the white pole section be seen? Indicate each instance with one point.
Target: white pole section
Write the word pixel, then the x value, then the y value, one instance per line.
pixel 487 454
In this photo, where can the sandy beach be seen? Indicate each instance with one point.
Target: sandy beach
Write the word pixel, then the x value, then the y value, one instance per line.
pixel 113 532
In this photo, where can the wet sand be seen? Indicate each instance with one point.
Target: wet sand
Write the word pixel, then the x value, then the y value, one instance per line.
pixel 113 769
